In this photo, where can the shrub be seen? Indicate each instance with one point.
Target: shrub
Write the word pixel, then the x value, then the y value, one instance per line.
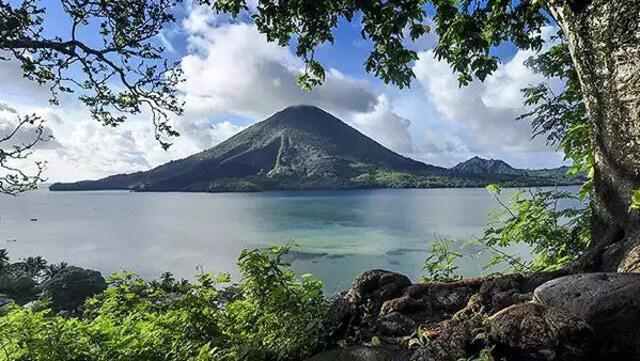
pixel 556 235
pixel 269 315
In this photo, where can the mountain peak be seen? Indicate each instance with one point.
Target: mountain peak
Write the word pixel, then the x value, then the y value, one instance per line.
pixel 303 113
pixel 301 110
pixel 477 165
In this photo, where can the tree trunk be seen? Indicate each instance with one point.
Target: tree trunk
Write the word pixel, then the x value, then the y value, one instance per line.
pixel 604 40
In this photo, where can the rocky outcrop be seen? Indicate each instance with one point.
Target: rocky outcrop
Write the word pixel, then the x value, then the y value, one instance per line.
pixel 609 302
pixel 533 332
pixel 386 304
pixel 532 317
pixel 71 286
pixel 364 353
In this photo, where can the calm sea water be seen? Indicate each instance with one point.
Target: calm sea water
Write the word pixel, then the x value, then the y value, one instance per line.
pixel 338 234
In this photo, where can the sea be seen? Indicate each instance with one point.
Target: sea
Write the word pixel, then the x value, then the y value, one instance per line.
pixel 334 235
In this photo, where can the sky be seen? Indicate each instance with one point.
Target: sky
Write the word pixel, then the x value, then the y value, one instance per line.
pixel 233 78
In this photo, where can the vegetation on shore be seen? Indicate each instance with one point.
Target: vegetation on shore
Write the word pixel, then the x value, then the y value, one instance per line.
pixel 270 314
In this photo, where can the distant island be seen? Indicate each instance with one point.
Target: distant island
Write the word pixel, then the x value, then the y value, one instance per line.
pixel 306 148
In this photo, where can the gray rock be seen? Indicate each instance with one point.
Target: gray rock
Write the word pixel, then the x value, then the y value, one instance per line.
pixel 530 331
pixel 377 286
pixel 70 287
pixel 362 353
pixel 404 304
pixel 608 301
pixel 396 324
pixel 5 301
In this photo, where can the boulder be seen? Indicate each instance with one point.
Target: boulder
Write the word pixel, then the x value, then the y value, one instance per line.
pixel 71 286
pixel 364 353
pixel 353 313
pixel 396 324
pixel 609 302
pixel 450 340
pixel 404 304
pixel 533 332
pixel 377 286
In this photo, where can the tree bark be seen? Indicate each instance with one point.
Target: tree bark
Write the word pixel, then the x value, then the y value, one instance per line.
pixel 604 40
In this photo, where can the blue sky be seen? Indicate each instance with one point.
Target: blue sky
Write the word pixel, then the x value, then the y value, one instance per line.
pixel 234 78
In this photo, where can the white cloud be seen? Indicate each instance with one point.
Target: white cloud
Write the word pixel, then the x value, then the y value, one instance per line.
pixel 233 69
pixel 385 126
pixel 487 109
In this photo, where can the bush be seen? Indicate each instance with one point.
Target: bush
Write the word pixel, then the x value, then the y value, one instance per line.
pixel 269 315
pixel 556 235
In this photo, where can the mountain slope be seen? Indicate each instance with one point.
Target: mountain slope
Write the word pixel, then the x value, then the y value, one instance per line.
pixel 304 147
pixel 300 147
pixel 493 167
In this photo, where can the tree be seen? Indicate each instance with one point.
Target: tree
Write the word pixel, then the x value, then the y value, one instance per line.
pixel 120 75
pixel 599 58
pixel 14 179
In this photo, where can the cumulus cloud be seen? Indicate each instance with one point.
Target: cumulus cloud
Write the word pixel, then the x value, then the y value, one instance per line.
pixel 385 126
pixel 487 109
pixel 233 69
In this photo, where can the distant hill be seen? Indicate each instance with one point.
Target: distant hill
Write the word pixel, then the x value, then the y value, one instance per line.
pixel 304 147
pixel 494 167
pixel 480 166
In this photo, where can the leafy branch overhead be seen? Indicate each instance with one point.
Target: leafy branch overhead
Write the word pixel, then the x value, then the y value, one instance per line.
pixel 14 178
pixel 467 31
pixel 122 74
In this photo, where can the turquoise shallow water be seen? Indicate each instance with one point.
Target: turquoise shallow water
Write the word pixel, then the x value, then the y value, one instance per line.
pixel 338 234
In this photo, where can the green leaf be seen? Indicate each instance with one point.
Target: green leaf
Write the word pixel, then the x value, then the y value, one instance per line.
pixel 635 200
pixel 493 189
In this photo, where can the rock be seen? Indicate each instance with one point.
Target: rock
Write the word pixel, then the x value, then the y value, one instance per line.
pixel 396 324
pixel 342 314
pixel 404 304
pixel 363 353
pixel 631 262
pixel 71 286
pixel 451 340
pixel 376 286
pixel 609 302
pixel 353 313
pixel 533 332
pixel 5 301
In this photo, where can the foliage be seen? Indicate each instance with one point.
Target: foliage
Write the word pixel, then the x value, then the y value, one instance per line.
pixel 440 265
pixel 635 200
pixel 382 178
pixel 560 116
pixel 555 234
pixel 4 259
pixel 13 178
pixel 467 31
pixel 269 315
pixel 115 77
pixel 122 74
